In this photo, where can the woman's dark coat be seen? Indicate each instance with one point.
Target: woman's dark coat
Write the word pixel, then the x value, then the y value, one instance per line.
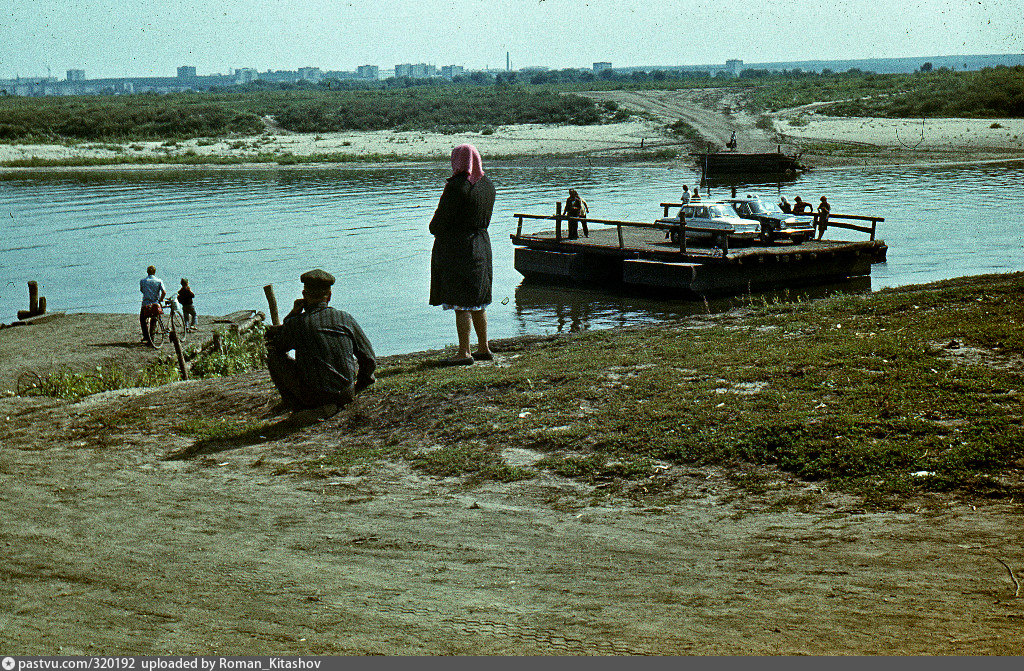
pixel 460 264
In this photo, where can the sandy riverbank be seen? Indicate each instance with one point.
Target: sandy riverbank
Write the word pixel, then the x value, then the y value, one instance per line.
pixel 265 546
pixel 505 141
pixel 822 140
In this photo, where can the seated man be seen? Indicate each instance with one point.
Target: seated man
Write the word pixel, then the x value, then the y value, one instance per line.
pixel 333 361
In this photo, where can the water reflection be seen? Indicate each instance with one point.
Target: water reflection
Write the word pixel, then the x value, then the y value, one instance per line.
pixel 570 309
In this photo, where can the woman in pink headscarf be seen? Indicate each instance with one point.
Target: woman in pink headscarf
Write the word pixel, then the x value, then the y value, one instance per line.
pixel 460 263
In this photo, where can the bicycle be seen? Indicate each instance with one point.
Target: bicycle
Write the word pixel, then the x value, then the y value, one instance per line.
pixel 166 323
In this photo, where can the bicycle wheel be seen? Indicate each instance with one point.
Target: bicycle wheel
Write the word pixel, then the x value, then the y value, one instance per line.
pixel 157 331
pixel 29 384
pixel 178 326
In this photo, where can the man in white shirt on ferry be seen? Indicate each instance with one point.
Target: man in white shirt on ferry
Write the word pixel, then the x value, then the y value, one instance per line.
pixel 152 288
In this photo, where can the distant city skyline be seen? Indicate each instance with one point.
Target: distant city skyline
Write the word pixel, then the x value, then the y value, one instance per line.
pixel 151 38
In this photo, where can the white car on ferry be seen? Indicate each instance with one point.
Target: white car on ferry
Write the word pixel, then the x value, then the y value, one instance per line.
pixel 706 221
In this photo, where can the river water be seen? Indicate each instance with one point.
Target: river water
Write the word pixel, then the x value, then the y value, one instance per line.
pixel 87 237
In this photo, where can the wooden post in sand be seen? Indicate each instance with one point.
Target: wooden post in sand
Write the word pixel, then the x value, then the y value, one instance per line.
pixel 36 303
pixel 272 302
pixel 182 368
pixel 33 297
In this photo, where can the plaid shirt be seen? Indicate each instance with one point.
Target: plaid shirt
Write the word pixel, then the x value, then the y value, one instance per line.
pixel 331 352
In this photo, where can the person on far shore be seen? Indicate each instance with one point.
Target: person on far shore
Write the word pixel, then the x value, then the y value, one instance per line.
pixel 153 292
pixel 577 209
pixel 334 359
pixel 823 211
pixel 802 206
pixel 188 309
pixel 460 261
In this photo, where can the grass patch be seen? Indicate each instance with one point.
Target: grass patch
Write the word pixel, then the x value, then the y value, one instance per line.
pixel 240 353
pixel 858 391
pixel 474 460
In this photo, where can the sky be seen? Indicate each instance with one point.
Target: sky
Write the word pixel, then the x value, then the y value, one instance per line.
pixel 142 38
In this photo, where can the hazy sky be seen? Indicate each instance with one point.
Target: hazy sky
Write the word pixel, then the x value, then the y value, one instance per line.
pixel 113 38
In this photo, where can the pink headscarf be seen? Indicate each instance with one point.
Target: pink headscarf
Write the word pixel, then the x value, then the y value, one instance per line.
pixel 465 158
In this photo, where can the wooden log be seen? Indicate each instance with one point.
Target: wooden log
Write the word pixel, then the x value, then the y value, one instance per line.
pixel 42 306
pixel 272 301
pixel 247 324
pixel 33 297
pixel 218 342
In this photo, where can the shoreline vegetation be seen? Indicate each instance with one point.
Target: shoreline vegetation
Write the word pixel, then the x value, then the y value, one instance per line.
pixel 887 396
pixel 831 119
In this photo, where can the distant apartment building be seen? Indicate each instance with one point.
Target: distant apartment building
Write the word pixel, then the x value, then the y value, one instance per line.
pixel 187 72
pixel 452 71
pixel 423 71
pixel 310 74
pixel 734 67
pixel 368 72
pixel 246 75
pixel 601 67
pixel 418 71
pixel 76 75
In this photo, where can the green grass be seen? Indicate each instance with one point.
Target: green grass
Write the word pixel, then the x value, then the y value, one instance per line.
pixel 860 392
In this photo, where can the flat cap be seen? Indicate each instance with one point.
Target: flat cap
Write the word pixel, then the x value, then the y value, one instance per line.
pixel 317 277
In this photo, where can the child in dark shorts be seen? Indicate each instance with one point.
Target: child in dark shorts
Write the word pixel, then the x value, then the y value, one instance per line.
pixel 185 298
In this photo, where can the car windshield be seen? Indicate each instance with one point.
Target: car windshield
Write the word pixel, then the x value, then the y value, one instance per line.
pixel 721 211
pixel 757 207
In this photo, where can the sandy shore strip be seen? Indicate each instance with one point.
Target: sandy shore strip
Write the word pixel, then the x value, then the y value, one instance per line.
pixel 903 140
pixel 505 141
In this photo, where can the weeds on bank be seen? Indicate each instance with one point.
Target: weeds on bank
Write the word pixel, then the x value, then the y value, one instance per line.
pixel 908 390
pixel 239 353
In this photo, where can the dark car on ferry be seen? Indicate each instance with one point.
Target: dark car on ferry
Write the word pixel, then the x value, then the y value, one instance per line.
pixel 775 224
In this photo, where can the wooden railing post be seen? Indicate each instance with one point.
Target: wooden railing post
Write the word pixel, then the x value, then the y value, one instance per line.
pixel 622 242
pixel 519 228
pixel 874 223
pixel 558 221
pixel 682 234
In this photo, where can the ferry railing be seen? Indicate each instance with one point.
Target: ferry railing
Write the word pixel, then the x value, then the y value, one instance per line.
pixel 816 216
pixel 722 241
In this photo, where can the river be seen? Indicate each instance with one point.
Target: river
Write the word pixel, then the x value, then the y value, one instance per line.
pixel 87 237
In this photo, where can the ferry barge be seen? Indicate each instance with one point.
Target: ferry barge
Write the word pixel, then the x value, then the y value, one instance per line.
pixel 663 257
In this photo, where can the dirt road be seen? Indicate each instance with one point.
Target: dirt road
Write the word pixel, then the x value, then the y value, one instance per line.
pixel 714 113
pixel 264 548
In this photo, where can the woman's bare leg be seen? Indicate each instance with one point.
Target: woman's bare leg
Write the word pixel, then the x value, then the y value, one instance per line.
pixel 464 319
pixel 480 325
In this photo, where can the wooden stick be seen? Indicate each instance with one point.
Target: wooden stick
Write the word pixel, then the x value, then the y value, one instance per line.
pixel 272 301
pixel 182 368
pixel 33 297
pixel 1016 584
